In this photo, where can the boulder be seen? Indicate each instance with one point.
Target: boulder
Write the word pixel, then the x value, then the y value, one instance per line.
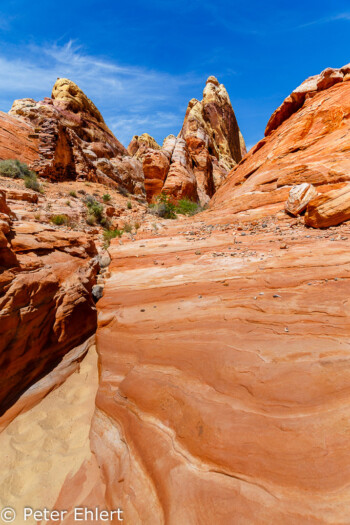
pixel 299 197
pixel 329 209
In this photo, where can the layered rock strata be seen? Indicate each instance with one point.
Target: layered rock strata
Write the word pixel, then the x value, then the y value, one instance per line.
pixel 311 146
pixel 45 294
pixel 72 140
pixel 194 164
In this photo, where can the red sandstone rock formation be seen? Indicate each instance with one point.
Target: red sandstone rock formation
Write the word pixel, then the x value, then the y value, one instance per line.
pixel 194 164
pixel 223 344
pixel 45 298
pixel 65 137
pixel 304 92
pixel 310 146
pixel 18 140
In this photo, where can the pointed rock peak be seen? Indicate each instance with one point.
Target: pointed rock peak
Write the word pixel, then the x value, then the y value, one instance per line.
pixel 141 143
pixel 213 80
pixel 68 94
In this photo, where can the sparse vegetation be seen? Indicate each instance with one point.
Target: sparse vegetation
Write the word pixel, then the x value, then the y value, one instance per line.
pixel 31 182
pixel 129 205
pixel 91 220
pixel 68 203
pixel 73 194
pixel 59 219
pixel 163 207
pixel 37 216
pixel 123 191
pixel 137 225
pixel 14 169
pixel 106 197
pixel 111 234
pixel 187 207
pixel 128 227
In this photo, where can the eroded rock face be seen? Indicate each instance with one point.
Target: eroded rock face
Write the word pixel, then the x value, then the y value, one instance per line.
pixel 329 209
pixel 45 299
pixel 311 146
pixel 198 406
pixel 306 90
pixel 208 146
pixel 18 140
pixel 73 141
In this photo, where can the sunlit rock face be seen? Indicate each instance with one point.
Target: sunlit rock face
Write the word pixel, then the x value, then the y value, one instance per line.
pixel 310 146
pixel 207 147
pixel 73 141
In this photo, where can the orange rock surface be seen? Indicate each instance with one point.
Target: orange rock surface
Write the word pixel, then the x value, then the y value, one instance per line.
pixel 18 140
pixel 310 146
pixel 45 294
pixel 223 390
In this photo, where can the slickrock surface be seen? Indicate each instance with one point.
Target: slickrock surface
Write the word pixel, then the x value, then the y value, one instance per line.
pixel 224 386
pixel 71 140
pixel 311 146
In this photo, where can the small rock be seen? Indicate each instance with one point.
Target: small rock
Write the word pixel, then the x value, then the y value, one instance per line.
pixel 276 295
pixel 97 292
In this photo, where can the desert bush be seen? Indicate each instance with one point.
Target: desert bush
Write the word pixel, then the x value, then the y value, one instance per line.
pixel 129 205
pixel 14 169
pixel 111 234
pixel 128 227
pixel 187 207
pixel 31 182
pixel 73 194
pixel 59 219
pixel 94 207
pixel 123 191
pixel 106 197
pixel 163 207
pixel 91 220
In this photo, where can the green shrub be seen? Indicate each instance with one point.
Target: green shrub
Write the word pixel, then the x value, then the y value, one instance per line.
pixel 128 227
pixel 137 225
pixel 59 219
pixel 91 220
pixel 187 207
pixel 163 207
pixel 14 169
pixel 31 182
pixel 73 194
pixel 129 205
pixel 94 207
pixel 106 197
pixel 111 234
pixel 68 203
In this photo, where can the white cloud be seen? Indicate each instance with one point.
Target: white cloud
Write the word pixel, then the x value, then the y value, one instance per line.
pixel 328 19
pixel 132 99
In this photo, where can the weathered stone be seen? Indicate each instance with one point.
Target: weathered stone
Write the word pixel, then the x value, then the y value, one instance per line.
pixel 299 197
pixel 329 209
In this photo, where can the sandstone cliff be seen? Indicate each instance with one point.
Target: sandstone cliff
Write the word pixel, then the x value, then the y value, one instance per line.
pixel 194 164
pixel 72 140
pixel 310 146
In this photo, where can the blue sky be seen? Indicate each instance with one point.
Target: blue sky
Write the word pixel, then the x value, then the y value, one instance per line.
pixel 141 62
